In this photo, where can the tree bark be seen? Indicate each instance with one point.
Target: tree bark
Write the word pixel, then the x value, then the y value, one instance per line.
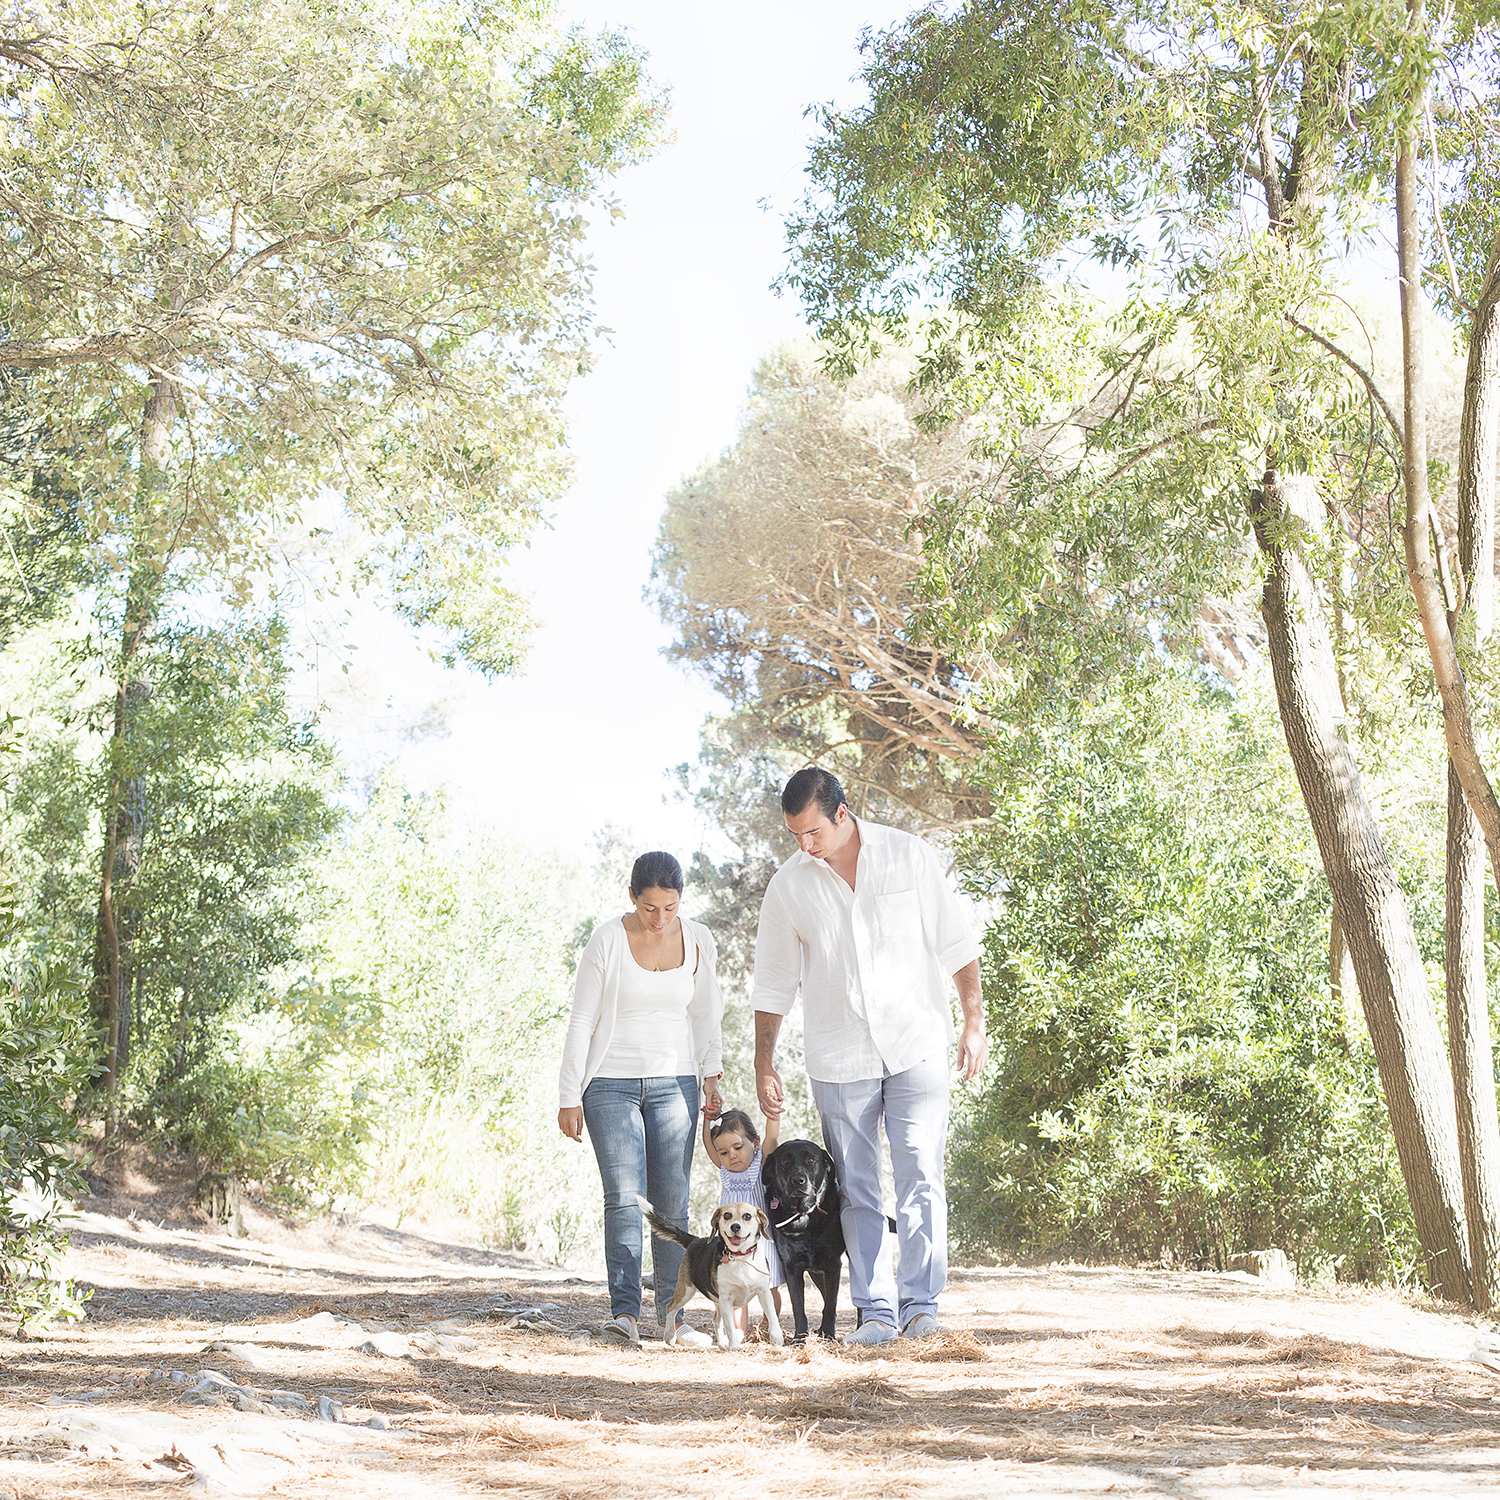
pixel 1372 909
pixel 1342 984
pixel 1470 1054
pixel 1478 436
pixel 124 838
pixel 1470 1048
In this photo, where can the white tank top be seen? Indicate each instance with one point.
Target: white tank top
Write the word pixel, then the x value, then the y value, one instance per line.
pixel 653 1037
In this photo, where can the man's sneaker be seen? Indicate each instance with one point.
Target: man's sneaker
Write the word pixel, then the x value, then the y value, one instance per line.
pixel 923 1326
pixel 621 1331
pixel 688 1337
pixel 871 1332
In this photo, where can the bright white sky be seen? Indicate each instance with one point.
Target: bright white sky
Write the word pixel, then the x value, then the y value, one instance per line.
pixel 590 732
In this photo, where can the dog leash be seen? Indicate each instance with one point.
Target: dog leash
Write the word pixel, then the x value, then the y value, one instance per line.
pixel 817 1208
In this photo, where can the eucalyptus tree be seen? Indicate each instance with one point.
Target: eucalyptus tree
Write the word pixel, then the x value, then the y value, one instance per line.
pixel 257 253
pixel 1224 156
pixel 1454 598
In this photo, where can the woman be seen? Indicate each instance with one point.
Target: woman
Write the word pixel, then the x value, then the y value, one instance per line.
pixel 644 1031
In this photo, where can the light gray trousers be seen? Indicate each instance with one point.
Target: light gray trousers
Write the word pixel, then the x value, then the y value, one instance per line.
pixel 914 1105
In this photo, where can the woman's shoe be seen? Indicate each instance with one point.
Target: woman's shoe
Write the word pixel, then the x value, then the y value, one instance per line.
pixel 622 1330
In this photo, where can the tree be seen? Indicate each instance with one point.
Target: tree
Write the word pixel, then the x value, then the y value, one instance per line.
pixel 1470 1050
pixel 231 801
pixel 997 140
pixel 344 255
pixel 45 540
pixel 735 785
pixel 254 252
pixel 1472 799
pixel 786 568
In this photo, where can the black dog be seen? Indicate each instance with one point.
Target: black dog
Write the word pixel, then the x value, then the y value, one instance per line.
pixel 803 1204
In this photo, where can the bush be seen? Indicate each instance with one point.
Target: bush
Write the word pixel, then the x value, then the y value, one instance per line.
pixel 1174 1078
pixel 279 1099
pixel 452 948
pixel 47 1052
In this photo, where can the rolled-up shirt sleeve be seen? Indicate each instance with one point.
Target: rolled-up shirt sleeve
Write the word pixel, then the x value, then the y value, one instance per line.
pixel 588 1005
pixel 944 919
pixel 778 957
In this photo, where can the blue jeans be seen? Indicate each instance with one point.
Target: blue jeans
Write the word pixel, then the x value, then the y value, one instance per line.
pixel 914 1105
pixel 643 1132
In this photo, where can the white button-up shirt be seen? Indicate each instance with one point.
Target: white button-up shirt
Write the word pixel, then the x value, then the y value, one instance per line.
pixel 872 963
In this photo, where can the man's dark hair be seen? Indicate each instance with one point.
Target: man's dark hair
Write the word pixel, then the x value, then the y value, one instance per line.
pixel 809 785
pixel 655 871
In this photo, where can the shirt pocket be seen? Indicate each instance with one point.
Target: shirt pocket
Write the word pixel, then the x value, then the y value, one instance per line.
pixel 900 951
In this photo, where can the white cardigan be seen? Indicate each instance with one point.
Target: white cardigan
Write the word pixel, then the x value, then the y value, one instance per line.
pixel 596 1000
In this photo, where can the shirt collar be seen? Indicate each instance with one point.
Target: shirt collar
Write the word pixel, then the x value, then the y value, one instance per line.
pixel 869 834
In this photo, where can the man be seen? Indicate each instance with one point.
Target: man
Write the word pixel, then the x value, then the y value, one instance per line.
pixel 863 920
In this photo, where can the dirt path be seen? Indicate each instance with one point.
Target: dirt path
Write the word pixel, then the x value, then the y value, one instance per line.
pixel 1063 1381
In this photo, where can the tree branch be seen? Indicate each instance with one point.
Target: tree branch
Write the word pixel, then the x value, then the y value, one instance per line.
pixel 1378 396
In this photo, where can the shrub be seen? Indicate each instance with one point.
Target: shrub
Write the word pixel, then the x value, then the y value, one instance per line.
pixel 47 1051
pixel 1174 1078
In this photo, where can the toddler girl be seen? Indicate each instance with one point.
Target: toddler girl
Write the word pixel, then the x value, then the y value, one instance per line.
pixel 731 1140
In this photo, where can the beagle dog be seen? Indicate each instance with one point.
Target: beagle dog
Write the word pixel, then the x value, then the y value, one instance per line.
pixel 728 1266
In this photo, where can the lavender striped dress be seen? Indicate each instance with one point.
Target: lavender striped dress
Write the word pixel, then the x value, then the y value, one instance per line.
pixel 746 1187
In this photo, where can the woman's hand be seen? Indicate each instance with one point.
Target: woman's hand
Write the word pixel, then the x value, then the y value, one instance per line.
pixel 713 1100
pixel 570 1122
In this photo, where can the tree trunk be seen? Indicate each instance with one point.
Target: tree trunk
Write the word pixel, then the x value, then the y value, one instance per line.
pixel 1470 1049
pixel 1422 571
pixel 1371 906
pixel 1342 984
pixel 125 812
pixel 1478 435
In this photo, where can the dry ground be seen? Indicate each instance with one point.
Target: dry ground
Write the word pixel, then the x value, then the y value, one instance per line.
pixel 1060 1381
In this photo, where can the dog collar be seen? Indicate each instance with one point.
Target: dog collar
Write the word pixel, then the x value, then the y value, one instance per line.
pixel 748 1253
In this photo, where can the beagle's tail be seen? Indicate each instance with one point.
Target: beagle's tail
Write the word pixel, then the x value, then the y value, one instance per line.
pixel 664 1227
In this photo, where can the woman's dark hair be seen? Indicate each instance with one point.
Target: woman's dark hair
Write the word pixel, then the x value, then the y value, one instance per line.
pixel 735 1119
pixel 655 871
pixel 809 785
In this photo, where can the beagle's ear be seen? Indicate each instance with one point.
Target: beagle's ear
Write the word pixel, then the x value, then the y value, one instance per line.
pixel 764 1222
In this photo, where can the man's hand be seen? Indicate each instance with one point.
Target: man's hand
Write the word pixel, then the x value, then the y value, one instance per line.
pixel 770 1093
pixel 768 1087
pixel 973 1049
pixel 570 1122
